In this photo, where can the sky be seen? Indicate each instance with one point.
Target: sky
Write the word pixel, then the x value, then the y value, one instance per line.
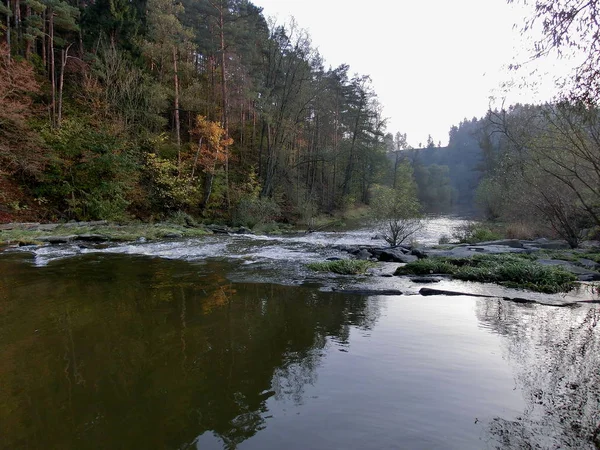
pixel 433 63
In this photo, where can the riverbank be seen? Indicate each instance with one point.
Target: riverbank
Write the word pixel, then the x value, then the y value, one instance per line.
pixel 21 234
pixel 540 265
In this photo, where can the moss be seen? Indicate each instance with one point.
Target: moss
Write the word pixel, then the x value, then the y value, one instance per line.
pixel 113 232
pixel 342 267
pixel 510 270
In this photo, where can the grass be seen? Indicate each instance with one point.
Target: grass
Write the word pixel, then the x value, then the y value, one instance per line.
pixel 343 266
pixel 114 232
pixel 509 270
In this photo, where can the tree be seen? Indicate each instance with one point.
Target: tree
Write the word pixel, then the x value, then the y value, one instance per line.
pixel 19 145
pixel 553 152
pixel 211 151
pixel 569 27
pixel 397 210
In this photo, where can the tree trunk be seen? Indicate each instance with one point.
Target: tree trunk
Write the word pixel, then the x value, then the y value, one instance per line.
pixel 224 100
pixel 29 43
pixel 44 44
pixel 18 28
pixel 350 167
pixel 52 67
pixel 61 82
pixel 8 29
pixel 176 106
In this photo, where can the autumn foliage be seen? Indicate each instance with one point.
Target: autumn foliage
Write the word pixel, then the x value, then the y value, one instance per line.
pixel 19 146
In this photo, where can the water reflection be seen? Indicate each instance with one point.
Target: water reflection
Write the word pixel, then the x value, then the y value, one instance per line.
pixel 118 351
pixel 122 352
pixel 555 354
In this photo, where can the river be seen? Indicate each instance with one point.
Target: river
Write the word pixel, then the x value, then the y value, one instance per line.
pixel 229 342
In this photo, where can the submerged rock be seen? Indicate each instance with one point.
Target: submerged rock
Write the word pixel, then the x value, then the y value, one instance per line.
pixel 368 291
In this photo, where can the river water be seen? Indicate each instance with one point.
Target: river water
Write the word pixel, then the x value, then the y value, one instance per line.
pixel 229 342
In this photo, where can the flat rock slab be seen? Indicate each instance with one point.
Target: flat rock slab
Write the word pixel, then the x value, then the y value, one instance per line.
pixel 514 243
pixel 428 292
pixel 584 274
pixel 57 239
pixel 471 250
pixel 92 238
pixel 368 291
pixel 425 279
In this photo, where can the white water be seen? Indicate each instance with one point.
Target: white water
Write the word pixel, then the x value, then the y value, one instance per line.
pixel 250 248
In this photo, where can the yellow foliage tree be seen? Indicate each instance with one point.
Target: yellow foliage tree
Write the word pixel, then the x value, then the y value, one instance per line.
pixel 212 150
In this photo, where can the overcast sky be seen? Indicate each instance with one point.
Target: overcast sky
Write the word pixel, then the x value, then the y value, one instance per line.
pixel 432 62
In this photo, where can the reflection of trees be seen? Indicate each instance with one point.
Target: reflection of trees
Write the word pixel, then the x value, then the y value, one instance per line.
pixel 146 353
pixel 556 358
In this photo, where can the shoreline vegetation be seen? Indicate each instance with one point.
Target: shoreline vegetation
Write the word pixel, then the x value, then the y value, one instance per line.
pixel 537 265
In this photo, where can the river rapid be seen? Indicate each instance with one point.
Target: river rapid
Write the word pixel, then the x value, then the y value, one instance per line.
pixel 230 342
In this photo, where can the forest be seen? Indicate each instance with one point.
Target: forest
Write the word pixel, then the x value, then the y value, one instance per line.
pixel 149 110
pixel 124 110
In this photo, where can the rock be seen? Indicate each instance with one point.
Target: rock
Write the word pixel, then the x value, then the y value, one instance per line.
pixel 428 291
pixel 550 245
pixel 513 243
pixel 19 226
pixel 173 235
pixel 48 227
pixel 218 229
pixel 57 239
pixel 243 230
pixel 425 279
pixel 93 238
pixel 368 291
pixel 363 254
pixel 590 276
pixel 420 254
pixel 394 255
pixel 588 263
pixel 569 267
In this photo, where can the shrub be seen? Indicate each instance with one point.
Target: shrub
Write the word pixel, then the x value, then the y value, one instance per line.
pixel 444 239
pixel 473 232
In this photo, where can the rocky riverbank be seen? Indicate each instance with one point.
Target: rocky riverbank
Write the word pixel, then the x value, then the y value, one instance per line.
pixel 103 232
pixel 583 262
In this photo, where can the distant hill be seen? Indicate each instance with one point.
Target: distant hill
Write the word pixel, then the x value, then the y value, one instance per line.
pixel 448 176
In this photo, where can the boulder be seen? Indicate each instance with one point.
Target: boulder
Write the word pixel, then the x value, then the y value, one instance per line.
pixel 363 254
pixel 388 255
pixel 420 254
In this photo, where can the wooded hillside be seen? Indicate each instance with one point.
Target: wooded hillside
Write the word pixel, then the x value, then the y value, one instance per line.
pixel 114 109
